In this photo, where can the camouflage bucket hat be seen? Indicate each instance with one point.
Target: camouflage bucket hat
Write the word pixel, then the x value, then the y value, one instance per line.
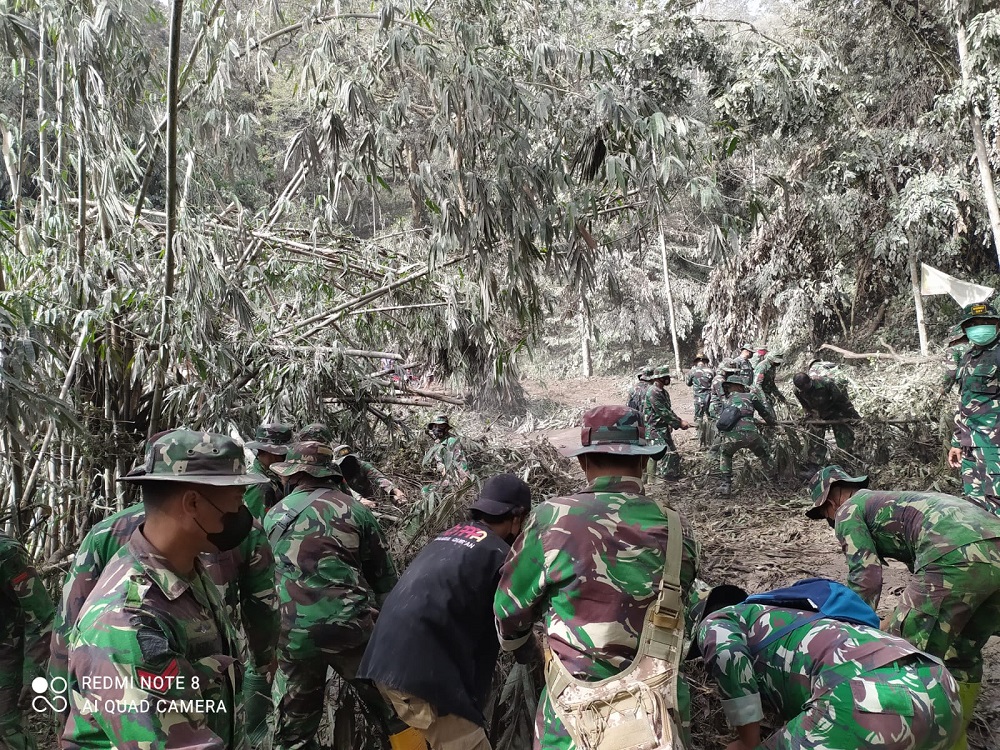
pixel 441 419
pixel 271 438
pixel 196 458
pixel 663 371
pixel 747 347
pixel 978 310
pixel 316 432
pixel 612 429
pixel 310 457
pixel 342 450
pixel 736 380
pixel 700 357
pixel 822 481
pixel 644 373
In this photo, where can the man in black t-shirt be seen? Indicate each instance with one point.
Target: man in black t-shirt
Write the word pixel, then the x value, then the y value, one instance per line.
pixel 434 647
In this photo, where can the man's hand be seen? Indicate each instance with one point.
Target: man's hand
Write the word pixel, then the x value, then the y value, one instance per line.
pixel 738 745
pixel 271 670
pixel 955 458
pixel 400 496
pixel 367 502
pixel 685 425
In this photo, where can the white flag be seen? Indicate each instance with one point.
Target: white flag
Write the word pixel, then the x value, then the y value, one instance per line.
pixel 933 281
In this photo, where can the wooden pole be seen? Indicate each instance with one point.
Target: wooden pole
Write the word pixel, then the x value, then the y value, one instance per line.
pixel 918 302
pixel 670 299
pixel 588 361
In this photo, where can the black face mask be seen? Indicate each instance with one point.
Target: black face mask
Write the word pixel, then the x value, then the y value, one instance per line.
pixel 831 523
pixel 235 528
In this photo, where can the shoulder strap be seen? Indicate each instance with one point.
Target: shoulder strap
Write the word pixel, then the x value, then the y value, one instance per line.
pixel 664 631
pixel 800 621
pixel 290 512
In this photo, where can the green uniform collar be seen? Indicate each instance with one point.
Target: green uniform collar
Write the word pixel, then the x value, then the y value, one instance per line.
pixel 157 568
pixel 632 485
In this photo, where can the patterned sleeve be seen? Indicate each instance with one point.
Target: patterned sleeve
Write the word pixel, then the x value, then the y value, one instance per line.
pixel 530 570
pixel 864 566
pixel 258 600
pixel 376 563
pixel 723 643
pixel 22 585
pixel 765 410
pixel 377 478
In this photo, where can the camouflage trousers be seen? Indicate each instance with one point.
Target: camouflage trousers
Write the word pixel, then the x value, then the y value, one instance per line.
pixel 733 442
pixel 842 433
pixel 701 405
pixel 913 706
pixel 952 606
pixel 981 475
pixel 551 735
pixel 13 733
pixel 300 691
pixel 257 703
pixel 668 467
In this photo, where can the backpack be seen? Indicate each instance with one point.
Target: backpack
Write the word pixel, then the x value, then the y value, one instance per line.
pixel 729 417
pixel 635 709
pixel 820 597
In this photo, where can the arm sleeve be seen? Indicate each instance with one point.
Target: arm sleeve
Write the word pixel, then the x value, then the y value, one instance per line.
pixel 523 593
pixel 258 600
pixel 377 478
pixel 723 643
pixel 376 563
pixel 864 566
pixel 79 582
pixel 25 588
pixel 765 410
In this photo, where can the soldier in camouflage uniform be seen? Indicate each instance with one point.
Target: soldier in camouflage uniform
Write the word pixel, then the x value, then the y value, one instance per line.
pixel 152 640
pixel 743 362
pixel 952 605
pixel 745 434
pixel 333 574
pixel 244 577
pixel 824 398
pixel 637 395
pixel 270 444
pixel 446 454
pixel 699 379
pixel 362 477
pixel 838 686
pixel 758 356
pixel 25 624
pixel 659 419
pixel 951 359
pixel 763 379
pixel 975 446
pixel 589 565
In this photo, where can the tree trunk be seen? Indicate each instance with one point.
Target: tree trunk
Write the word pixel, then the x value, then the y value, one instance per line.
pixel 588 361
pixel 982 155
pixel 173 67
pixel 43 125
pixel 670 301
pixel 81 184
pixel 918 302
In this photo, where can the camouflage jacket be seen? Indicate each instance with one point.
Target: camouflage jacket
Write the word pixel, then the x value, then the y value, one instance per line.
pixel 25 616
pixel 447 457
pixel 658 414
pixel 158 649
pixel 260 497
pixel 588 566
pixel 977 422
pixel 763 380
pixel 333 570
pixel 951 362
pixel 915 528
pixel 637 396
pixel 747 403
pixel 745 367
pixel 244 577
pixel 828 398
pixel 794 670
pixel 700 379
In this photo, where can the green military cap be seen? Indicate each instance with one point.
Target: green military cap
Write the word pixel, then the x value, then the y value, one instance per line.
pixel 663 371
pixel 317 431
pixel 311 457
pixel 822 481
pixel 271 438
pixel 195 458
pixel 613 429
pixel 746 346
pixel 441 419
pixel 645 373
pixel 978 310
pixel 342 450
pixel 736 380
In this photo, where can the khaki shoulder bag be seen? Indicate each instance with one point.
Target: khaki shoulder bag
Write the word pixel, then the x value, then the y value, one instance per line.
pixel 636 709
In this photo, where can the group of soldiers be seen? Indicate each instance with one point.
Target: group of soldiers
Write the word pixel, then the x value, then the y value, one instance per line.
pixel 727 402
pixel 211 614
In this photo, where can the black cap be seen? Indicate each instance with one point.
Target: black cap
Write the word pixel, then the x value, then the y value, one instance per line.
pixel 502 494
pixel 720 597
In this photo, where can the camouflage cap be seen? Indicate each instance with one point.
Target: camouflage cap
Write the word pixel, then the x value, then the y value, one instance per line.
pixel 612 429
pixel 978 310
pixel 736 380
pixel 271 438
pixel 956 335
pixel 315 432
pixel 761 349
pixel 822 481
pixel 441 419
pixel 309 457
pixel 195 458
pixel 747 347
pixel 342 450
pixel 700 357
pixel 778 359
pixel 645 373
pixel 660 373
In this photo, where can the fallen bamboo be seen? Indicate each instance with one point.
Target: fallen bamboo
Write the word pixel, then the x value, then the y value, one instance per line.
pixel 862 420
pixel 846 354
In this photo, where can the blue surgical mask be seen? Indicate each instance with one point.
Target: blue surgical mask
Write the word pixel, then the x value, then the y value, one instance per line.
pixel 982 334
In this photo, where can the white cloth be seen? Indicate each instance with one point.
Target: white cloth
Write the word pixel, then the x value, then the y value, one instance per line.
pixel 933 281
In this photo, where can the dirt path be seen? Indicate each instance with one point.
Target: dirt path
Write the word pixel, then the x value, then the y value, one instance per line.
pixel 758 538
